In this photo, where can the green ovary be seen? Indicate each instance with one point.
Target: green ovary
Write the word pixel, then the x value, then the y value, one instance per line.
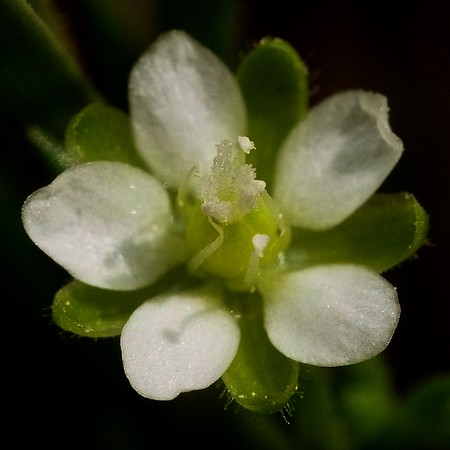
pixel 235 255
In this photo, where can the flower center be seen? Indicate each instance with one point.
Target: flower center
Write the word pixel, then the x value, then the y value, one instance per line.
pixel 233 227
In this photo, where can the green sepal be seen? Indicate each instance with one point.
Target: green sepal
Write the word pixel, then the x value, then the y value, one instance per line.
pixel 386 230
pixel 101 133
pixel 274 82
pixel 260 378
pixel 93 312
pixel 89 311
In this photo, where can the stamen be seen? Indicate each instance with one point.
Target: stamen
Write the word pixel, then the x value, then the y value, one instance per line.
pixel 259 242
pixel 197 260
pixel 245 144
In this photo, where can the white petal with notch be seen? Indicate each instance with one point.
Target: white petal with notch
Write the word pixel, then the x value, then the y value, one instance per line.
pixel 183 101
pixel 106 223
pixel 330 315
pixel 335 159
pixel 178 343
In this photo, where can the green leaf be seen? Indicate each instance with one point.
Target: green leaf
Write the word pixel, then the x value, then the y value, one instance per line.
pixel 101 133
pixel 115 34
pixel 50 147
pixel 41 83
pixel 274 81
pixel 260 378
pixel 385 231
pixel 424 420
pixel 366 399
pixel 315 421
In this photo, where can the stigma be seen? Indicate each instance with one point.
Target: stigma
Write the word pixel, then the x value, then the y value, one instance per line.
pixel 230 190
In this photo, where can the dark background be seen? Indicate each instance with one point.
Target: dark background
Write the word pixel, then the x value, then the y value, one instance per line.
pixel 59 382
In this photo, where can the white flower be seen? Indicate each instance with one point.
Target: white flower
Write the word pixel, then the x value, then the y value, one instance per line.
pixel 114 227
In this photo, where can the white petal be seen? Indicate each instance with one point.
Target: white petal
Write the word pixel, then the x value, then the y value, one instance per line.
pixel 106 223
pixel 336 159
pixel 331 315
pixel 183 101
pixel 178 343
